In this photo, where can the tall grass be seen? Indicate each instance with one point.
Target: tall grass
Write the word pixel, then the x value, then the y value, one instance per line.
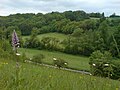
pixel 35 77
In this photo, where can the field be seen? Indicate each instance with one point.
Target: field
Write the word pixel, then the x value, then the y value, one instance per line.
pixel 35 77
pixel 59 36
pixel 76 62
pixel 46 78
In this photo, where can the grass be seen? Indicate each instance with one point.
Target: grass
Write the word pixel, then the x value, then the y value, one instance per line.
pixel 35 77
pixel 76 62
pixel 94 18
pixel 59 36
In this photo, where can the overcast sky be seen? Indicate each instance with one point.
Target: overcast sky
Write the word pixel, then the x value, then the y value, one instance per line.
pixel 44 6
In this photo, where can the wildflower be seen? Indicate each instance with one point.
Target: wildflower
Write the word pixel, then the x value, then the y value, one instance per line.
pixel 15 40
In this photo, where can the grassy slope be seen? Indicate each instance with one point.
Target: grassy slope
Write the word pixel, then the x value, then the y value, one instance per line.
pixel 76 62
pixel 35 77
pixel 61 37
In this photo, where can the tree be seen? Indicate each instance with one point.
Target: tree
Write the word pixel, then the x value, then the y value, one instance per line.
pixel 5 49
pixel 95 15
pixel 34 32
pixel 116 41
pixel 76 15
pixel 33 41
pixel 77 32
pixel 104 28
pixel 88 24
pixel 45 41
pixel 70 27
pixel 100 64
pixel 114 15
pixel 25 27
pixel 2 35
pixel 102 18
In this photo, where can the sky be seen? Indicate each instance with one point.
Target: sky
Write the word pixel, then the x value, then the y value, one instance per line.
pixel 8 7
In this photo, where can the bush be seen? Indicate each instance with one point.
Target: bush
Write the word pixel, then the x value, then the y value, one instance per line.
pixel 101 64
pixel 116 69
pixel 38 58
pixel 59 62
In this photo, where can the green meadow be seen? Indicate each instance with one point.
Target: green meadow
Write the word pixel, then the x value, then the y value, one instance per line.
pixel 59 36
pixel 76 62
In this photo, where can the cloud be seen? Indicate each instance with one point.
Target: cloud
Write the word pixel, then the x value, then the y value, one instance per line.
pixel 34 6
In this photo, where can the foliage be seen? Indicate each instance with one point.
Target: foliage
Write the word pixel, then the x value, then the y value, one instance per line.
pixel 59 62
pixel 76 15
pixel 102 65
pixel 116 69
pixel 49 43
pixel 95 34
pixel 38 58
pixel 114 15
pixel 33 41
pixel 5 49
pixel 95 15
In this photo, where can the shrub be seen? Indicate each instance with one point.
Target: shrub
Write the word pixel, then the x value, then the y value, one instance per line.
pixel 101 64
pixel 116 69
pixel 38 58
pixel 59 62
